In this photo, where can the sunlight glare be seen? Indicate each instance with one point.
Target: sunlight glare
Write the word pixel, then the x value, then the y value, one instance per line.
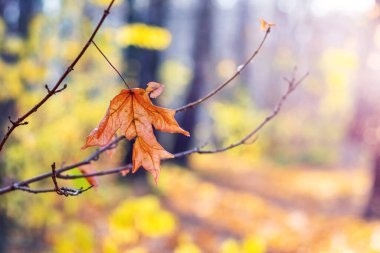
pixel 323 7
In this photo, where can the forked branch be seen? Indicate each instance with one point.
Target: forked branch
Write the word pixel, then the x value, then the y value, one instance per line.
pixel 293 83
pixel 56 174
pixel 57 87
pixel 93 157
pixel 221 86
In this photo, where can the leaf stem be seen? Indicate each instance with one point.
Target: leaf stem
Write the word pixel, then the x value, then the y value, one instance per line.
pixel 109 62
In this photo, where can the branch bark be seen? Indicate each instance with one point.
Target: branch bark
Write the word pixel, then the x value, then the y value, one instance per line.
pixel 93 157
pixel 221 86
pixel 57 87
pixel 24 185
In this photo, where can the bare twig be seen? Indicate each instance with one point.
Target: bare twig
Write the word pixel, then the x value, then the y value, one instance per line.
pixel 53 177
pixel 292 85
pixel 66 191
pixel 221 86
pixel 109 62
pixel 27 189
pixel 93 157
pixel 21 120
pixel 61 89
pixel 125 168
pixel 23 185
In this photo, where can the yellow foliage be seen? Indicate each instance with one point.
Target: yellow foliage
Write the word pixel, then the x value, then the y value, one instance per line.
pixel 175 75
pixel 233 121
pixel 121 236
pixel 104 3
pixel 2 28
pixel 137 250
pixel 10 82
pixel 110 246
pixel 78 238
pixel 187 247
pixel 338 65
pixel 50 48
pixel 143 216
pixel 230 246
pixel 253 244
pixel 13 45
pixel 34 219
pixel 32 72
pixel 70 50
pixel 36 28
pixel 56 131
pixel 144 36
pixel 248 245
pixel 158 223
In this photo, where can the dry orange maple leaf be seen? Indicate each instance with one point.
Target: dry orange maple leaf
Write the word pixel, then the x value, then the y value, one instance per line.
pixel 134 114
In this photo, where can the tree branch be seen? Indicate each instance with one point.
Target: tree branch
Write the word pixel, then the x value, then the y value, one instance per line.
pixel 292 85
pixel 56 88
pixel 23 185
pixel 93 157
pixel 65 191
pixel 221 86
pixel 125 168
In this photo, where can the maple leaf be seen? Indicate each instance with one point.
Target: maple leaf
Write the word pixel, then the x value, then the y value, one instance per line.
pixel 132 112
pixel 265 25
pixel 154 89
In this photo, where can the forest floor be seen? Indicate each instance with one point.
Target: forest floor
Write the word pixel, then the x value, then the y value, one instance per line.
pixel 222 208
pixel 222 204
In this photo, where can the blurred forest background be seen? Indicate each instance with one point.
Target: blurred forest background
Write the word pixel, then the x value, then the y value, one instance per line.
pixel 311 183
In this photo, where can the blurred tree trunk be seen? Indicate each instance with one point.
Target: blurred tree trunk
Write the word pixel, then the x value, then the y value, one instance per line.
pixel 373 206
pixel 366 121
pixel 362 134
pixel 142 64
pixel 201 58
pixel 144 61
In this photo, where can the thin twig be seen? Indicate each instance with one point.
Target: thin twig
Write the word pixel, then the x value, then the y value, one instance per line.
pixel 109 62
pixel 23 185
pixel 292 86
pixel 125 168
pixel 93 157
pixel 27 189
pixel 20 121
pixel 53 177
pixel 221 86
pixel 66 191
